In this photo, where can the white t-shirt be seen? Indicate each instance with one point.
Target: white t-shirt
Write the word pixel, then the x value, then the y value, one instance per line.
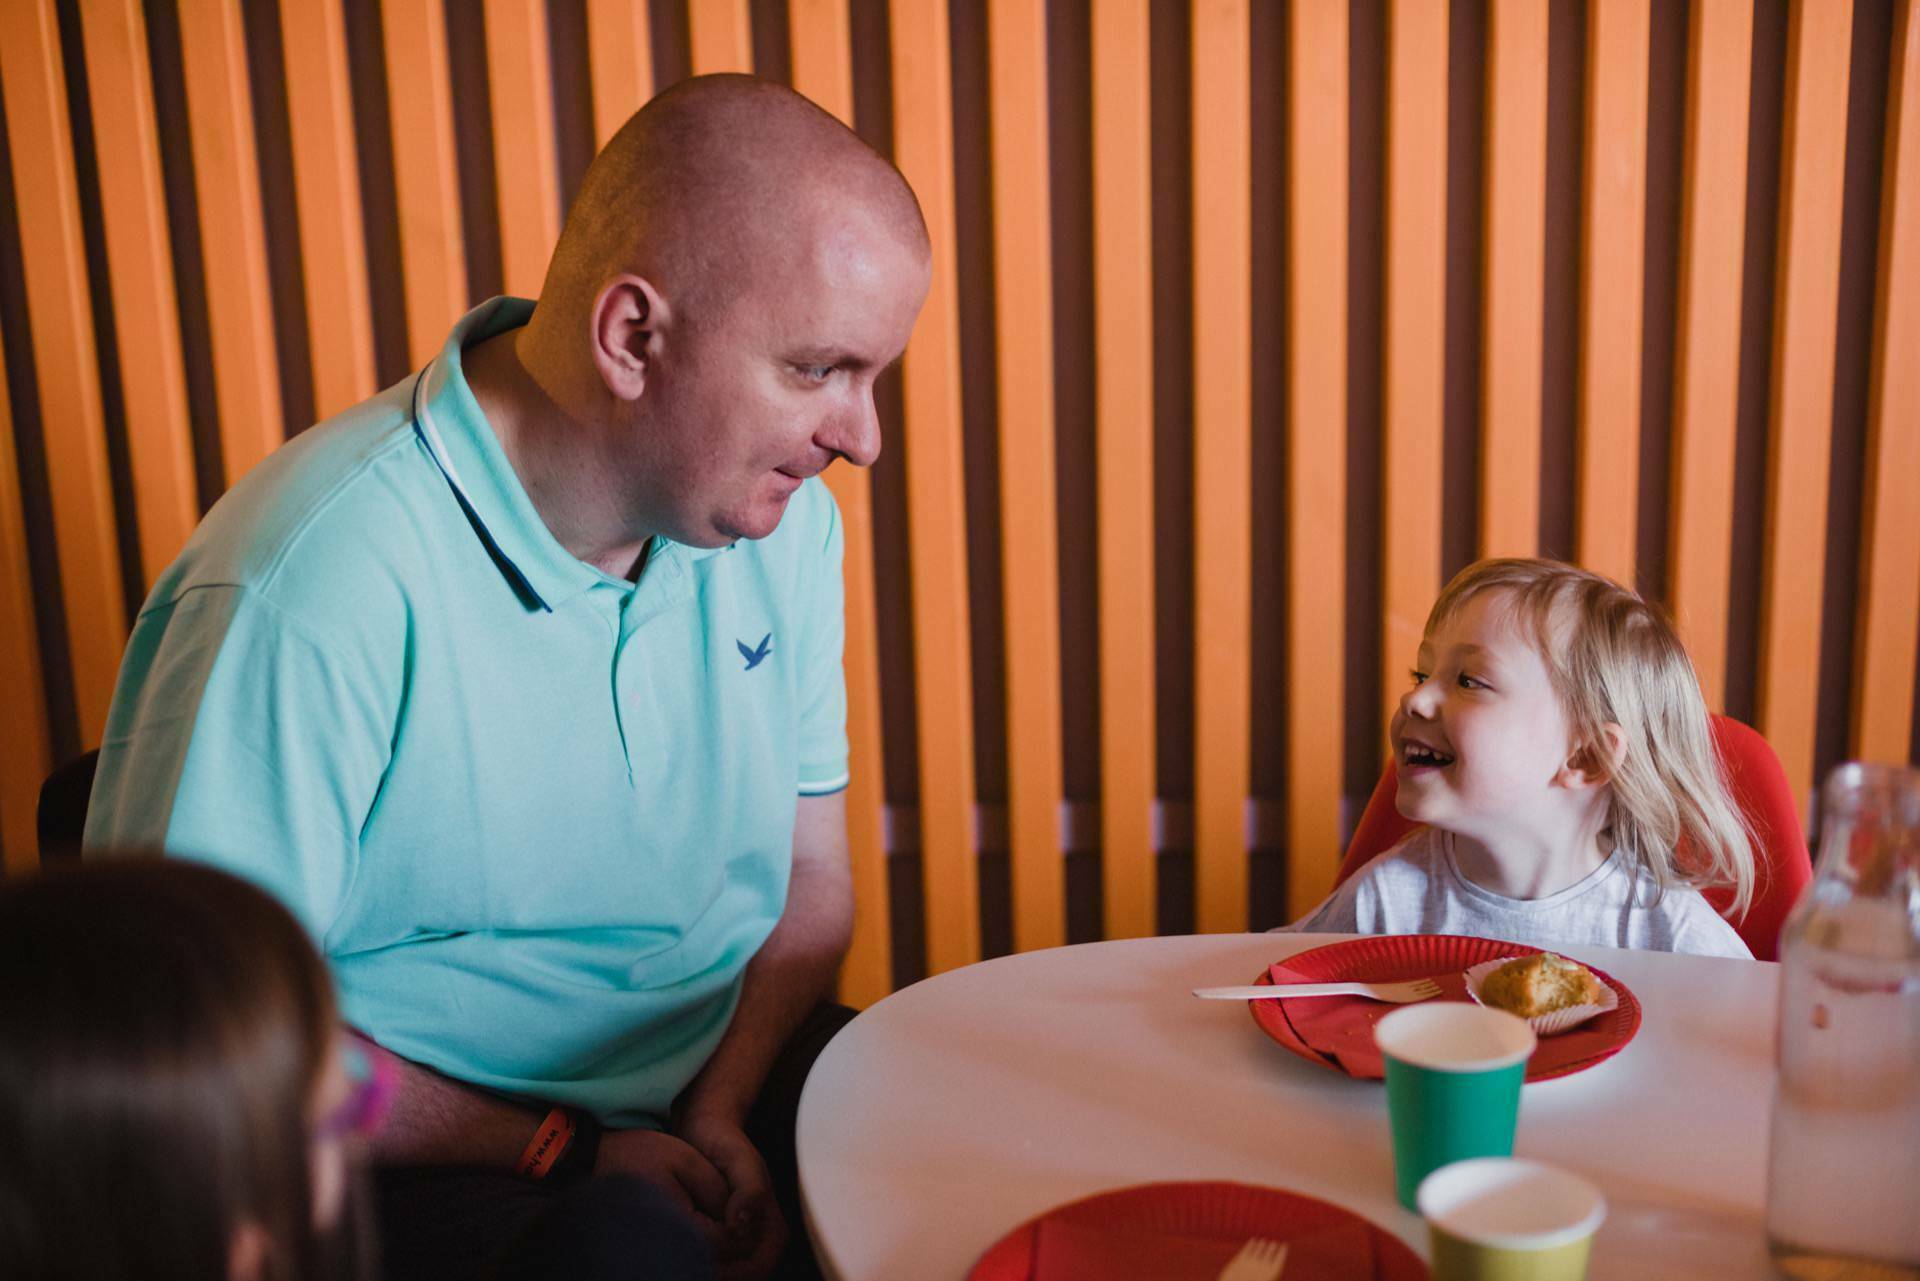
pixel 1416 888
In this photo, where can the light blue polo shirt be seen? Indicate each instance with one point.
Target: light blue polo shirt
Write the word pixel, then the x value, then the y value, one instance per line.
pixel 539 818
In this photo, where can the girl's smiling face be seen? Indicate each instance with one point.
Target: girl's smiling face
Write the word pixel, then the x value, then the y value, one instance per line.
pixel 1481 737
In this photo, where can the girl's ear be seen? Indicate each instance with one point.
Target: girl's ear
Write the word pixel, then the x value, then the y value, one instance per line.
pixel 1592 764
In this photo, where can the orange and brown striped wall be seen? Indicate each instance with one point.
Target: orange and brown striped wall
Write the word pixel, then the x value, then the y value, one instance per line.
pixel 1252 320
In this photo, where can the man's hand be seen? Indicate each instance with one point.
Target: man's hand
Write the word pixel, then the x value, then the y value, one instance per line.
pixel 693 1182
pixel 752 1231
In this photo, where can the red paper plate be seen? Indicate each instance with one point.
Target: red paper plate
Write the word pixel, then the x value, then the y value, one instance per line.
pixel 1188 1231
pixel 1337 1031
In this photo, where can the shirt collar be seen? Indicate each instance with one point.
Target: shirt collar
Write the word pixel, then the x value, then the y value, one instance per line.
pixel 462 443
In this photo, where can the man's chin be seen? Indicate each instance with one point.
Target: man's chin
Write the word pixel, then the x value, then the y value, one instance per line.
pixel 750 527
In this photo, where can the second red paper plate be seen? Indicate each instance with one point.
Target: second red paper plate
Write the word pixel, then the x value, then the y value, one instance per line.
pixel 1188 1232
pixel 1337 1031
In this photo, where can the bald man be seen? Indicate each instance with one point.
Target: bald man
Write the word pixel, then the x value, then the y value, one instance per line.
pixel 520 683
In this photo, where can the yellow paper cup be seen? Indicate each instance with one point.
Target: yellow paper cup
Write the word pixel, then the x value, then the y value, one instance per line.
pixel 1508 1219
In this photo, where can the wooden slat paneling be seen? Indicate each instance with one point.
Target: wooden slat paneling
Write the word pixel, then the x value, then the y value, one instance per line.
pixel 1022 237
pixel 133 211
pixel 425 174
pixel 1889 628
pixel 326 181
pixel 1813 173
pixel 1316 444
pixel 823 71
pixel 527 176
pixel 620 61
pixel 1123 483
pixel 65 361
pixel 1706 392
pixel 1223 458
pixel 936 505
pixel 226 184
pixel 1413 419
pixel 29 755
pixel 720 36
pixel 1612 273
pixel 1513 343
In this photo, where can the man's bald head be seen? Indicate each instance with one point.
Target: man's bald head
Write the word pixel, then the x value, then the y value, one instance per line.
pixel 715 182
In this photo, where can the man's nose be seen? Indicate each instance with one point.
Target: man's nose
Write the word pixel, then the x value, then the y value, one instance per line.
pixel 855 433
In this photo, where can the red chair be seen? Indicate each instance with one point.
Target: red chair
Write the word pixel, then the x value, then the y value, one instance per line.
pixel 1760 789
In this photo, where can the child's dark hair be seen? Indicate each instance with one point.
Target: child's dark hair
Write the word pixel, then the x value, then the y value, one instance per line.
pixel 163 1031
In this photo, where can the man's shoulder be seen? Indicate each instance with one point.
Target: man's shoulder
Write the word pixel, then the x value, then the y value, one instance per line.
pixel 318 515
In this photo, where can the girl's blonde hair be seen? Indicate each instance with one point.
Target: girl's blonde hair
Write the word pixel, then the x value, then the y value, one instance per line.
pixel 1615 659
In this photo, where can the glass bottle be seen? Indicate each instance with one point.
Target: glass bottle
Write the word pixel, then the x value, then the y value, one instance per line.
pixel 1843 1181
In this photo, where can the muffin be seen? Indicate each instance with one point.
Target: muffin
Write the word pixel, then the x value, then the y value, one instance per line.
pixel 1540 984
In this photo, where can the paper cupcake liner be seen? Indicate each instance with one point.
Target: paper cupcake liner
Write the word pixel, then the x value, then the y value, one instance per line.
pixel 1558 1021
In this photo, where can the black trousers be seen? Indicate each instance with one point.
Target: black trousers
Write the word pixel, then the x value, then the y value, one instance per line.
pixel 453 1223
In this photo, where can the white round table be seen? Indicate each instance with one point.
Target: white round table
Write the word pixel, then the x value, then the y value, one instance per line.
pixel 958 1108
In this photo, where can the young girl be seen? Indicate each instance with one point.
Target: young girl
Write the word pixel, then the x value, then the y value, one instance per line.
pixel 175 1101
pixel 1555 745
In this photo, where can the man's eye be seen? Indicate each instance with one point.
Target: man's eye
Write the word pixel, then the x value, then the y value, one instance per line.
pixel 816 373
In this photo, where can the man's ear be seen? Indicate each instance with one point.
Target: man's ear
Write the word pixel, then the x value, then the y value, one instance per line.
pixel 1592 764
pixel 628 319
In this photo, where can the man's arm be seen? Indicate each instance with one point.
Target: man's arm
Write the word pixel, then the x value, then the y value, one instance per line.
pixel 435 1120
pixel 793 971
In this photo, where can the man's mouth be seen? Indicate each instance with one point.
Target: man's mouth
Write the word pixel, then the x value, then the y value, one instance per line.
pixel 1416 755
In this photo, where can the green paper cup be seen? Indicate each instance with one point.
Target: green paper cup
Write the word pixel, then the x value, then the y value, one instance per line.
pixel 1453 1085
pixel 1502 1219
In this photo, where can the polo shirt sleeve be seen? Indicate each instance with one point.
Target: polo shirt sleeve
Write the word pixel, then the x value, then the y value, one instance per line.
pixel 822 681
pixel 242 739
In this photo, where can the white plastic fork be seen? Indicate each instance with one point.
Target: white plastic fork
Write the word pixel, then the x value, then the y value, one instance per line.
pixel 1259 1260
pixel 1398 993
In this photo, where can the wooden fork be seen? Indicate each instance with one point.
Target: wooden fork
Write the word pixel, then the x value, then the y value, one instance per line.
pixel 1398 993
pixel 1259 1260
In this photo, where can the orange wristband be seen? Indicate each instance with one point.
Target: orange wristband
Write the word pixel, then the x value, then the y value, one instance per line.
pixel 549 1141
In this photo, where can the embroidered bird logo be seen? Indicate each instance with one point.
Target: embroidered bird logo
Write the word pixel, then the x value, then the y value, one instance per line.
pixel 755 656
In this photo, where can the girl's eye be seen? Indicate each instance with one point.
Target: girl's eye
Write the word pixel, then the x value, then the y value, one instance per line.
pixel 1471 682
pixel 1419 677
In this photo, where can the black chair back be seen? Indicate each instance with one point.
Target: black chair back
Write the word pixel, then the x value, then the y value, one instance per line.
pixel 62 816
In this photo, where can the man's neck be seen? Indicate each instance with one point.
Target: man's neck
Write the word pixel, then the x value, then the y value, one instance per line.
pixel 1534 864
pixel 555 456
